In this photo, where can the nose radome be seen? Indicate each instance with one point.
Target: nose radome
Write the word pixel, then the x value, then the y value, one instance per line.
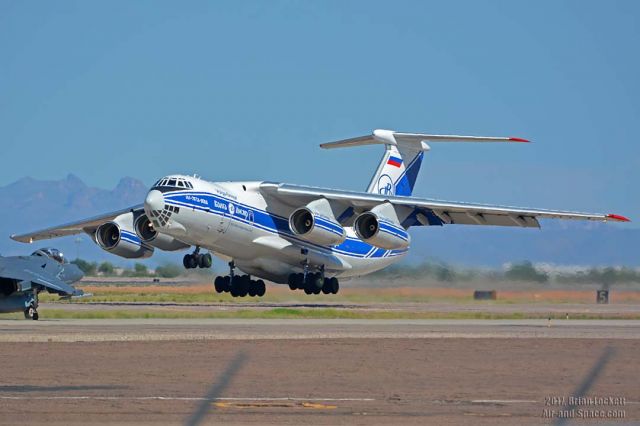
pixel 154 200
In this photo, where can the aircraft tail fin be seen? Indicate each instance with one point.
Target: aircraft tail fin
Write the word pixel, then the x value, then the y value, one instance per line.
pixel 398 169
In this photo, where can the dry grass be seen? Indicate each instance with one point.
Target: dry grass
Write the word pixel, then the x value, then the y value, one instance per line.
pixel 204 293
pixel 325 313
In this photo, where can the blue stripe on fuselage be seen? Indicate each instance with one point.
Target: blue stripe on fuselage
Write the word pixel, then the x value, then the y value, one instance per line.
pixel 217 205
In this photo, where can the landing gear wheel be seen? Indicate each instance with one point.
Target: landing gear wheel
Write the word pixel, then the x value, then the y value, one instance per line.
pixel 31 313
pixel 190 261
pixel 251 291
pixel 293 282
pixel 334 285
pixel 326 286
pixel 245 283
pixel 234 286
pixel 240 285
pixel 205 260
pixel 315 282
pixel 218 283
pixel 261 289
pixel 300 284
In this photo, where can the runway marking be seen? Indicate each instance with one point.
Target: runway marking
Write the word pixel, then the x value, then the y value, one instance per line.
pixel 182 398
pixel 284 399
pixel 274 404
pixel 318 406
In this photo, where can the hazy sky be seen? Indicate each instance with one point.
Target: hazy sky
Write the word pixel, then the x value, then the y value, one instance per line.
pixel 247 90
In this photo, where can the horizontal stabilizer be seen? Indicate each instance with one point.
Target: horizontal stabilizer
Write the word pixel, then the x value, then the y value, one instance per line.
pixel 414 140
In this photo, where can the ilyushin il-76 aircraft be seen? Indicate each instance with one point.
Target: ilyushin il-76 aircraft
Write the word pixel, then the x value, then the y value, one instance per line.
pixel 306 237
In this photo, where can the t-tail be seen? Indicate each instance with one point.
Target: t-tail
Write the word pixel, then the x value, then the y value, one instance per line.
pixel 398 169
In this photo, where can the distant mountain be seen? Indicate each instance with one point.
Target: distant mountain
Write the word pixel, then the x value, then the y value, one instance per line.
pixel 29 204
pixel 563 243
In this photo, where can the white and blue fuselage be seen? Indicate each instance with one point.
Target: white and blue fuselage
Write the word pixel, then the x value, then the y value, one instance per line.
pixel 305 236
pixel 236 221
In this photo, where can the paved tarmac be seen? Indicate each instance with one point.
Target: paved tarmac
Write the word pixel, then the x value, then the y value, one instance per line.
pixel 213 371
pixel 73 330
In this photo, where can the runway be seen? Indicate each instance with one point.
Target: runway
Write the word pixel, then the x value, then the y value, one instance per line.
pixel 115 330
pixel 442 372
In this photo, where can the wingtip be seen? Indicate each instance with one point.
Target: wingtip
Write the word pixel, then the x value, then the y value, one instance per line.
pixel 18 238
pixel 519 140
pixel 618 218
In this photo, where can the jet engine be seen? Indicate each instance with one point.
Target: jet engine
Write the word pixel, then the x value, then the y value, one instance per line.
pixel 147 233
pixel 380 227
pixel 316 223
pixel 118 237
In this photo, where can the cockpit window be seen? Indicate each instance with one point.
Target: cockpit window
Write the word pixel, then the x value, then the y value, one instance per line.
pixel 176 182
pixel 51 253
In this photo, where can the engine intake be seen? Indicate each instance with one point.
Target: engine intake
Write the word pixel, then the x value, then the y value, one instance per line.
pixel 148 234
pixel 115 239
pixel 8 286
pixel 312 226
pixel 380 232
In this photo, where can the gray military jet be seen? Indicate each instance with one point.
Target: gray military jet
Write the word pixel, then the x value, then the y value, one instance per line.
pixel 23 277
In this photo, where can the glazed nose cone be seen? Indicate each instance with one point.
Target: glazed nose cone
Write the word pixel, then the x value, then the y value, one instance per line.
pixel 154 200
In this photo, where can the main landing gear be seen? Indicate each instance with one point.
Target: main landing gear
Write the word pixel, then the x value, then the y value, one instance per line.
pixel 239 285
pixel 197 260
pixel 314 284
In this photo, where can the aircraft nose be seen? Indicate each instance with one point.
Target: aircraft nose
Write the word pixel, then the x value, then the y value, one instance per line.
pixel 154 200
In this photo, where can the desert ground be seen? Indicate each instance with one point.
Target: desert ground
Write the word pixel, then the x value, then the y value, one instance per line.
pixel 179 354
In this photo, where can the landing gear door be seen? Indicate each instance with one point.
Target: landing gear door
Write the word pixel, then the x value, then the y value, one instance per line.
pixel 239 213
pixel 227 211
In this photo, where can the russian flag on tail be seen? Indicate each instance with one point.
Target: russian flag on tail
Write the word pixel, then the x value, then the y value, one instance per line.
pixel 394 161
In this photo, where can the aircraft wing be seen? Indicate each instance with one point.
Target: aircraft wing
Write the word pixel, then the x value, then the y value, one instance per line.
pixel 87 225
pixel 36 277
pixel 54 285
pixel 428 211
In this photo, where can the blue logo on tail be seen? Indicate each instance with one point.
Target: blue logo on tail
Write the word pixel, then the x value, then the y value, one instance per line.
pixel 385 185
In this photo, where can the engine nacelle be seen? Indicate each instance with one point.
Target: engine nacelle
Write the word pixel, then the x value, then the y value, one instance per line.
pixel 316 223
pixel 117 238
pixel 148 234
pixel 380 232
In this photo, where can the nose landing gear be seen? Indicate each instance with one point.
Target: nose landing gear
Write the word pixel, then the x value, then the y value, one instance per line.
pixel 197 260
